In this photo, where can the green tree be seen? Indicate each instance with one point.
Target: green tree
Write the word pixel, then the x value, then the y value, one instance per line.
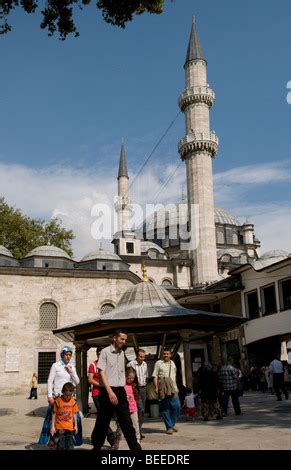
pixel 20 233
pixel 58 15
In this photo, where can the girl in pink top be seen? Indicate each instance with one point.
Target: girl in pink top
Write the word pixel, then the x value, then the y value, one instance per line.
pixel 132 393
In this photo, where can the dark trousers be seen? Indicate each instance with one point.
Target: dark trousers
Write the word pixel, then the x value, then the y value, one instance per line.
pixel 105 414
pixel 33 393
pixel 141 406
pixel 278 384
pixel 235 401
pixel 65 440
pixel 110 434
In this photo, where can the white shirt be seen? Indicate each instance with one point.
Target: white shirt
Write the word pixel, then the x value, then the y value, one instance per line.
pixel 189 400
pixel 58 377
pixel 165 369
pixel 141 371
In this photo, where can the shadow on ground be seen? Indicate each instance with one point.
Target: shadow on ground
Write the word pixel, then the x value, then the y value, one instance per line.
pixel 7 411
pixel 38 412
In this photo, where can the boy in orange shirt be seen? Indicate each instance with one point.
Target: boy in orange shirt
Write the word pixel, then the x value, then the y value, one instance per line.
pixel 64 422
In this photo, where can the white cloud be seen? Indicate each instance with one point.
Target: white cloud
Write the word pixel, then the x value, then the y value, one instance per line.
pixel 274 172
pixel 70 194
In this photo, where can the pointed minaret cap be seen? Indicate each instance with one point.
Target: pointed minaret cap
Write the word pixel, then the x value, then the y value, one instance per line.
pixel 122 163
pixel 194 51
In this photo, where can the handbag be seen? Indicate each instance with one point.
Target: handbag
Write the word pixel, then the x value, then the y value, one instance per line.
pixel 151 392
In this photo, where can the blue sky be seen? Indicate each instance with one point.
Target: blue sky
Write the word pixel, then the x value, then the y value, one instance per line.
pixel 66 105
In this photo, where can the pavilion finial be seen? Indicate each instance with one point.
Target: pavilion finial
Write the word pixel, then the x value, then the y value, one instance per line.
pixel 144 272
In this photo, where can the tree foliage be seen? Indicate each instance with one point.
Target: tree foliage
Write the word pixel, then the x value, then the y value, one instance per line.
pixel 20 233
pixel 58 15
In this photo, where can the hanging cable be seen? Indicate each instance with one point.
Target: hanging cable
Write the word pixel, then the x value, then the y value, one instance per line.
pixel 154 149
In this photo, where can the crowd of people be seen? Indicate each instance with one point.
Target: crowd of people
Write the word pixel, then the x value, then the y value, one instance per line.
pixel 119 390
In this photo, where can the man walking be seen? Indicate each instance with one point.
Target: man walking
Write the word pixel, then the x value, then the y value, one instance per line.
pixel 141 369
pixel 229 380
pixel 164 379
pixel 277 371
pixel 93 381
pixel 112 396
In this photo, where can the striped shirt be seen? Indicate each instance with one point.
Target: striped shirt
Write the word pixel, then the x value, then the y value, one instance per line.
pixel 141 371
pixel 113 364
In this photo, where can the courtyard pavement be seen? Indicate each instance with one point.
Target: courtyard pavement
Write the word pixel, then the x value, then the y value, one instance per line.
pixel 265 424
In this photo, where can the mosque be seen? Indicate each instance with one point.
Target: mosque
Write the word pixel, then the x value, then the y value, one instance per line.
pixel 197 256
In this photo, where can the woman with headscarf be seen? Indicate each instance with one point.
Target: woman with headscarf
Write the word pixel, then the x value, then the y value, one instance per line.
pixel 209 391
pixel 61 372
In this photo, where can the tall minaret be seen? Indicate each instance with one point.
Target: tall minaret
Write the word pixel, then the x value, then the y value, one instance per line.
pixel 198 148
pixel 125 241
pixel 122 205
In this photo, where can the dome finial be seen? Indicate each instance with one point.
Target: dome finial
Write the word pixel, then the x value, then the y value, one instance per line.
pixel 144 272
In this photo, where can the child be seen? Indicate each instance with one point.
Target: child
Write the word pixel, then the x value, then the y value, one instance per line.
pixel 64 422
pixel 189 404
pixel 33 387
pixel 132 394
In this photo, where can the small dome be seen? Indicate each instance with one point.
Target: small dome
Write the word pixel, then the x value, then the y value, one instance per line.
pixel 145 246
pixel 274 254
pixel 101 254
pixel 48 250
pixel 4 251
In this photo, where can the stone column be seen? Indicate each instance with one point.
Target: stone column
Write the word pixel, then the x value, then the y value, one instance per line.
pixel 185 335
pixel 216 351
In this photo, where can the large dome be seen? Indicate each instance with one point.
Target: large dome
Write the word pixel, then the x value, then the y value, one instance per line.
pixel 173 218
pixel 101 254
pixel 48 250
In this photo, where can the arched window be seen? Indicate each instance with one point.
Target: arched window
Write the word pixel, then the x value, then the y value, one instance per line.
pixel 167 282
pixel 48 316
pixel 106 308
pixel 219 235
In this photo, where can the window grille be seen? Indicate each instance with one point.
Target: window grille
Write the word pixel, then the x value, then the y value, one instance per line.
pixel 45 361
pixel 106 308
pixel 48 316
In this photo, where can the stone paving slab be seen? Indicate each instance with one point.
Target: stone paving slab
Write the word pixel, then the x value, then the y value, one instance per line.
pixel 264 425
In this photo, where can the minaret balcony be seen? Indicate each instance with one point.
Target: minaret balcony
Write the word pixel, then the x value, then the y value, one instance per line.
pixel 198 142
pixel 196 94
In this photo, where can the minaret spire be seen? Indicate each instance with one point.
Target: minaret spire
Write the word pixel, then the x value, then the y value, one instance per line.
pixel 122 163
pixel 122 206
pixel 197 149
pixel 125 241
pixel 194 51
